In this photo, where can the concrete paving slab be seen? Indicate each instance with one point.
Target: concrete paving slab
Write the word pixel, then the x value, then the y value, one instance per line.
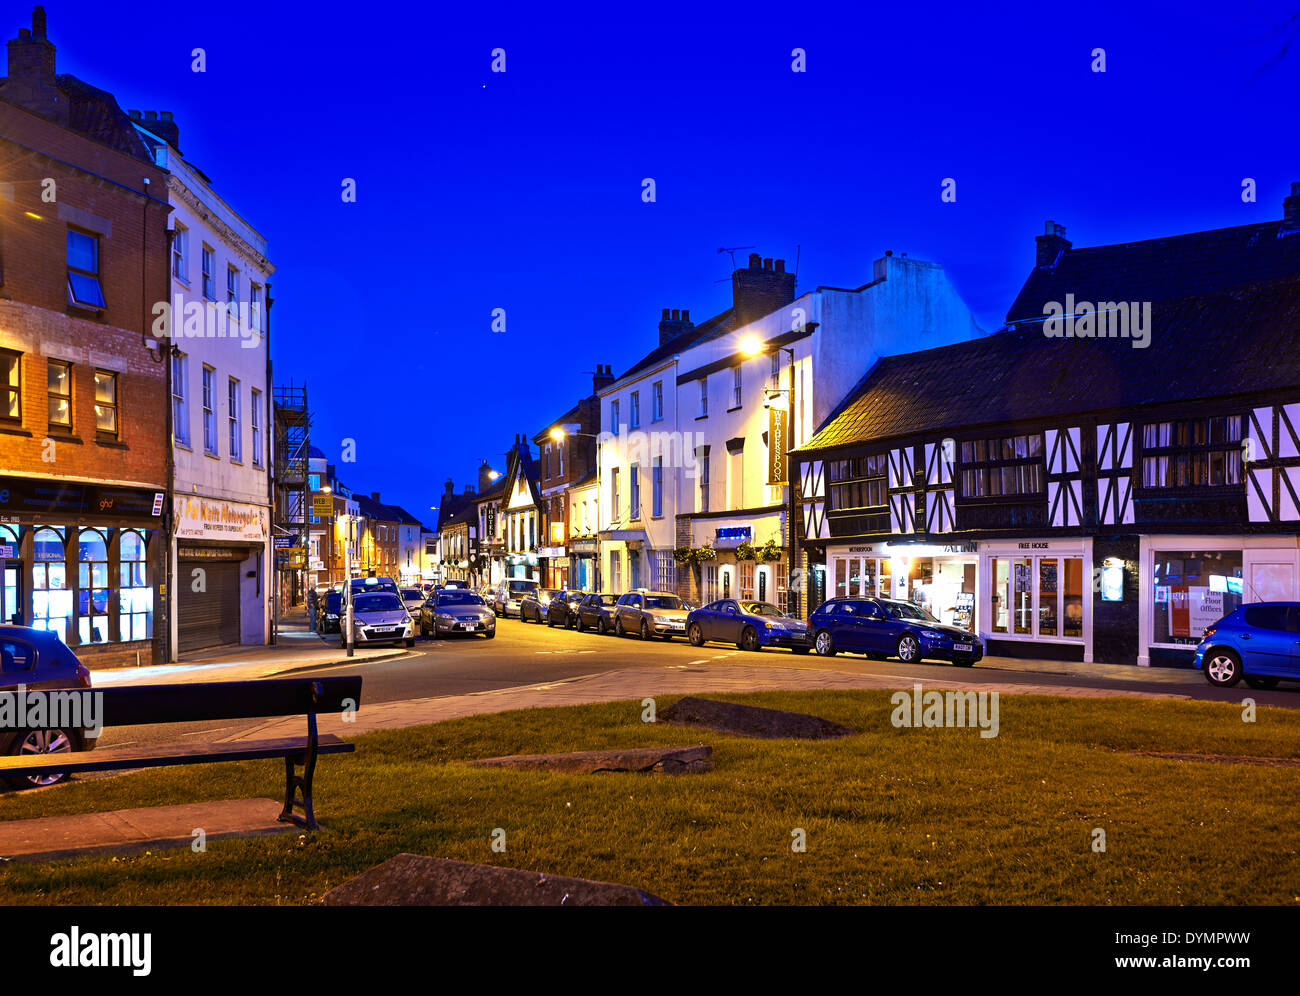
pixel 133 831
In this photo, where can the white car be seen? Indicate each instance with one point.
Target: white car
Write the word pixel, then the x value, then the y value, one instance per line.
pixel 380 617
pixel 413 598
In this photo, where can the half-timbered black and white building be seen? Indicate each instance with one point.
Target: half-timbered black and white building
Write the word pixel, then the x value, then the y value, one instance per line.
pixel 1085 496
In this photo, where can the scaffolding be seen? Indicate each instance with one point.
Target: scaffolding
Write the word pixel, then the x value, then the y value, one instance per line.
pixel 292 494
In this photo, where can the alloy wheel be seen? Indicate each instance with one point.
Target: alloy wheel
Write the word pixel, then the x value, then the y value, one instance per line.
pixel 45 742
pixel 1223 669
pixel 908 649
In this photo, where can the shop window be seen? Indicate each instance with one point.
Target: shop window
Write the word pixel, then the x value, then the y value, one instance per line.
pixel 135 596
pixel 784 602
pixel 859 482
pixel 1192 452
pixel 747 579
pixel 1192 591
pixel 1037 596
pixel 710 583
pixel 92 586
pixel 10 609
pixel 997 468
pixel 51 596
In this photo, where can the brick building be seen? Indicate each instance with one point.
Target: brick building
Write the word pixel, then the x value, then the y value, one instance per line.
pixel 83 404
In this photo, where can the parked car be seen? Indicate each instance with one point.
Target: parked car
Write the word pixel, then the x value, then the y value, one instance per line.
pixel 374 584
pixel 456 612
pixel 456 583
pixel 38 660
pixel 1259 642
pixel 534 605
pixel 380 617
pixel 596 611
pixel 412 598
pixel 650 613
pixel 331 611
pixel 563 610
pixel 749 625
pixel 488 592
pixel 509 593
pixel 882 627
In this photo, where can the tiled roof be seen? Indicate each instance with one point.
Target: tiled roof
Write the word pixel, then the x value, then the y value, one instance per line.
pixel 1229 341
pixel 95 112
pixel 1161 269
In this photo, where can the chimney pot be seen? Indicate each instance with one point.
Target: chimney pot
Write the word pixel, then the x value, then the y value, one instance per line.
pixel 38 21
pixel 133 115
pixel 1291 210
pixel 780 266
pixel 686 315
pixel 665 317
pixel 24 33
pixel 1051 244
pixel 151 115
pixel 167 115
pixel 767 263
pixel 677 315
pixel 755 261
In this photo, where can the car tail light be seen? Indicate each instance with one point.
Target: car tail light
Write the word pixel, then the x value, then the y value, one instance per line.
pixel 83 675
pixel 1210 632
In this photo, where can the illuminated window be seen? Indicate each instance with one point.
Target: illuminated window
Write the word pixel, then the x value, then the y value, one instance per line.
pixel 92 586
pixel 59 381
pixel 106 402
pixel 83 271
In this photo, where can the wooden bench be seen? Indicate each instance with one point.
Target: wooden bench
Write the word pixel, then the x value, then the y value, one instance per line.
pixel 140 705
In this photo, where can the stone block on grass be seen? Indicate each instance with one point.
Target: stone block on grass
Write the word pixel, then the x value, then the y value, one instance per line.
pixel 417 880
pixel 751 721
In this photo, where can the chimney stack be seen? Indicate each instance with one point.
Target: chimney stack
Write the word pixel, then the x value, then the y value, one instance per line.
pixel 602 378
pixel 1291 210
pixel 673 324
pixel 450 487
pixel 760 289
pixel 374 496
pixel 1051 244
pixel 484 480
pixel 30 84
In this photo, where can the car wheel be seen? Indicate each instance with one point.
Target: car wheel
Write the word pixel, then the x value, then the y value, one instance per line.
pixel 491 634
pixel 601 628
pixel 823 644
pixel 34 742
pixel 1255 681
pixel 550 623
pixel 578 624
pixel 1223 668
pixel 618 625
pixel 695 635
pixel 645 630
pixel 410 641
pixel 749 639
pixel 909 650
pixel 964 661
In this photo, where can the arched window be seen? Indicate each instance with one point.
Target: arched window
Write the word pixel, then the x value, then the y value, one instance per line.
pixel 51 596
pixel 135 597
pixel 92 586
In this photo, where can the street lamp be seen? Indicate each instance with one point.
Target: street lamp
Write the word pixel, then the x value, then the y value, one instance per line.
pixel 558 433
pixel 752 346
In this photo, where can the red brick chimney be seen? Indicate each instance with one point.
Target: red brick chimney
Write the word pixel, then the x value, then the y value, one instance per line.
pixel 673 324
pixel 760 289
pixel 1291 210
pixel 1051 244
pixel 602 378
pixel 30 83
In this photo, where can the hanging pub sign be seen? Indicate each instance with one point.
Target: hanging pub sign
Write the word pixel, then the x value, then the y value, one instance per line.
pixel 777 420
pixel 491 520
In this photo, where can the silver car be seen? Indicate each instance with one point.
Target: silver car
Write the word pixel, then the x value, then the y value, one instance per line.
pixel 453 612
pixel 510 594
pixel 650 613
pixel 379 617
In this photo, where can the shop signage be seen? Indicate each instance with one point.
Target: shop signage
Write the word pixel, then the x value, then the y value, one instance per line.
pixel 1112 583
pixel 7 551
pixel 283 542
pixel 551 551
pixel 208 518
pixel 735 534
pixel 776 444
pixel 491 520
pixel 52 497
pixel 158 502
pixel 322 505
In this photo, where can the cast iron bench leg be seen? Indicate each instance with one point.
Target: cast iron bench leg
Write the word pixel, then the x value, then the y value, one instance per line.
pixel 293 782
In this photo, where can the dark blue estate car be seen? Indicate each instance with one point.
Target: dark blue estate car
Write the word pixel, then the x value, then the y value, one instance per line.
pixel 37 660
pixel 881 627
pixel 1259 642
pixel 749 625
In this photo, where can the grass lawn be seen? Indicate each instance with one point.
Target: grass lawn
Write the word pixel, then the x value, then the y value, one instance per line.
pixel 891 815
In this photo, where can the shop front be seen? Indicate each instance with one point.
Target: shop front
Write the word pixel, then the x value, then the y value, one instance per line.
pixel 751 563
pixel 941 579
pixel 84 561
pixel 556 559
pixel 583 556
pixel 221 556
pixel 1188 583
pixel 1035 599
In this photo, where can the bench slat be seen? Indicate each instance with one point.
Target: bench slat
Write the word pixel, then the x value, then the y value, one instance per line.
pixel 138 705
pixel 125 758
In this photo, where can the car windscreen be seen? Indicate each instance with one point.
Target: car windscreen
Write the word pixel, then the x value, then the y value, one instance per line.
pixel 458 598
pixel 413 593
pixel 761 609
pixel 381 601
pixel 904 610
pixel 523 585
pixel 663 602
pixel 333 601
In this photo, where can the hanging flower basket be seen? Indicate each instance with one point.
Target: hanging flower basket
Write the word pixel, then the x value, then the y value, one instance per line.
pixel 704 553
pixel 684 555
pixel 745 551
pixel 768 552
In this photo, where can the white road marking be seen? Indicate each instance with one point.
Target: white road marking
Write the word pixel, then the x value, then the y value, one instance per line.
pixel 702 660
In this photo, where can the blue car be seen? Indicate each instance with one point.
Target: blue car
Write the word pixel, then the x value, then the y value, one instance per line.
pixel 749 625
pixel 37 660
pixel 1259 642
pixel 881 627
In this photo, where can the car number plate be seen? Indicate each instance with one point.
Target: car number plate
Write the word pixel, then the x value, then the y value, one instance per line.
pixel 469 625
pixel 962 646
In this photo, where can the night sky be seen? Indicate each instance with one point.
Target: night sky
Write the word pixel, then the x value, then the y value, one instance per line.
pixel 481 190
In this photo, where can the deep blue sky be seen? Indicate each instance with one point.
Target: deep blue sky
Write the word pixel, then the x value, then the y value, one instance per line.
pixel 522 190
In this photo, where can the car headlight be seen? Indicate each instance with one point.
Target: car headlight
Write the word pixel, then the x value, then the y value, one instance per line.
pixel 443 617
pixel 930 634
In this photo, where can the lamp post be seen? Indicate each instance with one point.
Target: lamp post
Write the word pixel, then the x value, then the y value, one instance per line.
pixel 752 346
